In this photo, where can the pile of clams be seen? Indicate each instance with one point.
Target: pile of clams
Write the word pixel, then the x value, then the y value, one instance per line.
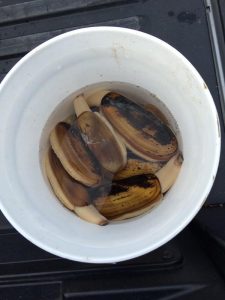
pixel 113 160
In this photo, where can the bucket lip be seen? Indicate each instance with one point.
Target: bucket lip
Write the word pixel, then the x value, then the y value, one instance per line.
pixel 192 213
pixel 97 29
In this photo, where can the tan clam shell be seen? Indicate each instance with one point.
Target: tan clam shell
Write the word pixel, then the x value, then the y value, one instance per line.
pixel 75 157
pixel 142 131
pixel 136 167
pixel 71 193
pixel 129 196
pixel 99 137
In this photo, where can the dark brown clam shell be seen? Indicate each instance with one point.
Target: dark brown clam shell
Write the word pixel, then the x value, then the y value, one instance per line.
pixel 142 131
pixel 74 155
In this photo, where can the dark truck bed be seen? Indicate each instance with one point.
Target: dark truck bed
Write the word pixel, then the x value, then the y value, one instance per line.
pixel 192 265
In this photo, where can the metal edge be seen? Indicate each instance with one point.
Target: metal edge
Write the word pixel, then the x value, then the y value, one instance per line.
pixel 210 14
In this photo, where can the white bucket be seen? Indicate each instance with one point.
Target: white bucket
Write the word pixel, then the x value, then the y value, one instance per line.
pixel 52 72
